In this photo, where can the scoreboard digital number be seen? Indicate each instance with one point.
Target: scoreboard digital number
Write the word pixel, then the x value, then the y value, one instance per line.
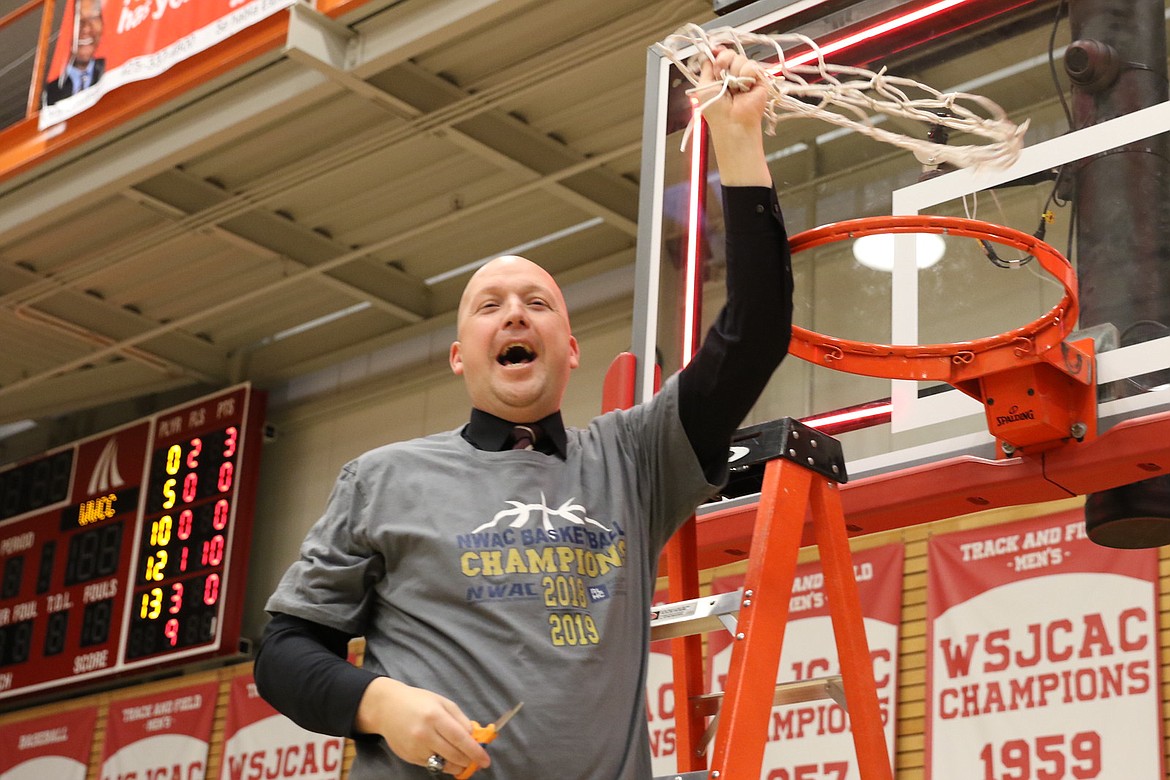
pixel 128 550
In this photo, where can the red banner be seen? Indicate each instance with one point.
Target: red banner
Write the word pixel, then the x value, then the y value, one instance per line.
pixel 262 744
pixel 162 735
pixel 811 740
pixel 56 746
pixel 1042 655
pixel 103 44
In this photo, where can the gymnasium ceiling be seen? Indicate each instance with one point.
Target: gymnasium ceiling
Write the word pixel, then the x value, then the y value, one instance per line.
pixel 324 204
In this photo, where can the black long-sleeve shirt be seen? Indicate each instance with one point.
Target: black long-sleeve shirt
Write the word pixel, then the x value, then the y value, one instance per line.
pixel 300 666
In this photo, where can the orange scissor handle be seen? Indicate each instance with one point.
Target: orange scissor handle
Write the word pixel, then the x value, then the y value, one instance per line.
pixel 483 735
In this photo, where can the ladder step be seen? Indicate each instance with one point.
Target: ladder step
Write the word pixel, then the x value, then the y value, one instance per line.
pixel 695 616
pixel 786 693
pixel 789 692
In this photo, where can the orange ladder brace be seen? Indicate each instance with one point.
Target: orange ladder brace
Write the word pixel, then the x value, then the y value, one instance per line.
pixel 799 485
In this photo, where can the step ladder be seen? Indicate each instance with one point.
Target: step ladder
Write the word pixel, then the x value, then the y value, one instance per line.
pixel 801 470
pixel 708 614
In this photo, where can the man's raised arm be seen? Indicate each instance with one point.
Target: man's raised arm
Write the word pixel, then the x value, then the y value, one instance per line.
pixel 750 335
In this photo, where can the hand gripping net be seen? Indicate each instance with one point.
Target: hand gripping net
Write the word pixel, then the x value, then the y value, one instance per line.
pixel 810 90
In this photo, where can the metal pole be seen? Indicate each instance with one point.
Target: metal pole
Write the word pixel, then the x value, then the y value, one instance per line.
pixel 1117 65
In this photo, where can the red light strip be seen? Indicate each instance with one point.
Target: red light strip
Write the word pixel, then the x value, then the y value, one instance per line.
pixel 694 219
pixel 852 418
pixel 698 169
pixel 878 29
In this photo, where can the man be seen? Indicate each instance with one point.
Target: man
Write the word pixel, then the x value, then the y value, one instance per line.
pixel 484 576
pixel 83 70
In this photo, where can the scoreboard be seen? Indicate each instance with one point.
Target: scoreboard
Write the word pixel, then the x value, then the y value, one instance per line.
pixel 128 551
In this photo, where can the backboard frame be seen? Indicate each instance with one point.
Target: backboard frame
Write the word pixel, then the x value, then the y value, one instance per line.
pixel 908 409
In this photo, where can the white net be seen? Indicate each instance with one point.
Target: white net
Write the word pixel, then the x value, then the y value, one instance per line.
pixel 850 97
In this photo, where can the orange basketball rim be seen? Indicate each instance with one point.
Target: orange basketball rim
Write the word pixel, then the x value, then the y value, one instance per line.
pixel 1038 390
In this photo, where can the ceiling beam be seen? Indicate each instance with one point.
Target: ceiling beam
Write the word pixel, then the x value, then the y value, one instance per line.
pixel 88 319
pixel 412 28
pixel 322 44
pixel 281 237
pixel 96 386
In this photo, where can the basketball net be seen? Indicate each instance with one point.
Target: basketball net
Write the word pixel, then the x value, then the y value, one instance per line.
pixel 807 86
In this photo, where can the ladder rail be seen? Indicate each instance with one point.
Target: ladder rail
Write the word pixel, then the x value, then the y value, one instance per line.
pixel 801 472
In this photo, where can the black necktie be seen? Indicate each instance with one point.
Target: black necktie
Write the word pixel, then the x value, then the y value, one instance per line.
pixel 524 436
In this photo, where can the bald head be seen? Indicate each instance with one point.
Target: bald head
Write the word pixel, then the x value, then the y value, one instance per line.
pixel 515 347
pixel 515 268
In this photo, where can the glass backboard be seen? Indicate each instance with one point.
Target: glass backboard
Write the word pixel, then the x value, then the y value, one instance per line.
pixel 1011 52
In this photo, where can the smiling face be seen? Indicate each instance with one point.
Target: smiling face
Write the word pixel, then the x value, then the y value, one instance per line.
pixel 89 32
pixel 515 347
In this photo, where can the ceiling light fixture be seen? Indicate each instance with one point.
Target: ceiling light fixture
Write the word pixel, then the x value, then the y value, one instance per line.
pixel 516 250
pixel 876 251
pixel 296 330
pixel 13 428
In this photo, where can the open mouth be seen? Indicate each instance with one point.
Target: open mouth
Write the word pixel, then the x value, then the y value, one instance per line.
pixel 515 354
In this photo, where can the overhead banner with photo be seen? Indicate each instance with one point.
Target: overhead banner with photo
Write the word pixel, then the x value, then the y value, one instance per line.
pixel 164 734
pixel 262 744
pixel 814 739
pixel 1042 655
pixel 104 44
pixel 55 746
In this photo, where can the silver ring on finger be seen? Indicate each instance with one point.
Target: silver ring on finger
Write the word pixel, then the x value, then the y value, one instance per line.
pixel 436 763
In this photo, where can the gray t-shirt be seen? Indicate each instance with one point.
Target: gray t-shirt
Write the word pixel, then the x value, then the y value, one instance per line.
pixel 499 577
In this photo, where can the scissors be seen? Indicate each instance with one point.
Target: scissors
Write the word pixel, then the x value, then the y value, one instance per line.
pixel 485 734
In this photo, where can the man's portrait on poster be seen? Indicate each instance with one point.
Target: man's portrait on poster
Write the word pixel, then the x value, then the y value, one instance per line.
pixel 83 68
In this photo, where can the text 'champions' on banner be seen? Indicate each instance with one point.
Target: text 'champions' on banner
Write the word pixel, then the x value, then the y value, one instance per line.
pixel 1042 655
pixel 811 740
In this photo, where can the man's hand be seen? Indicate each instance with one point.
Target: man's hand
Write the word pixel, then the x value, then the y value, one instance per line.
pixel 736 119
pixel 417 724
